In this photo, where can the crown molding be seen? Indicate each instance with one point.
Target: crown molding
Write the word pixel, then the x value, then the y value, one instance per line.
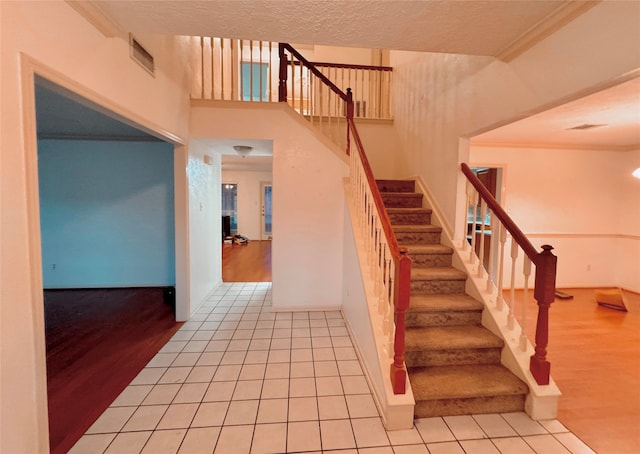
pixel 95 17
pixel 555 146
pixel 545 27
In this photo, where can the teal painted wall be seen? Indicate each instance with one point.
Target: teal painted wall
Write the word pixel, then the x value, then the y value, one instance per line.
pixel 106 213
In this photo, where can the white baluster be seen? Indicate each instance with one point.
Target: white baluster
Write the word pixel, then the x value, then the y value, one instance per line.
pixel 525 297
pixel 512 302
pixel 502 237
pixel 465 225
pixel 483 214
pixel 492 246
pixel 474 211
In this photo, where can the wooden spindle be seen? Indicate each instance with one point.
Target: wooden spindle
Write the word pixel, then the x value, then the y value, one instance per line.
pixel 526 271
pixel 502 236
pixel 512 298
pixel 282 82
pixel 492 245
pixel 483 214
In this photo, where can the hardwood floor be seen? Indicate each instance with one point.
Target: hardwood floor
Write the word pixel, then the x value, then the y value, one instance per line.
pixel 97 341
pixel 595 361
pixel 250 262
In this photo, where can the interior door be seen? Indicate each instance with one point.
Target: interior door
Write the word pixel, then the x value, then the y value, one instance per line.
pixel 265 198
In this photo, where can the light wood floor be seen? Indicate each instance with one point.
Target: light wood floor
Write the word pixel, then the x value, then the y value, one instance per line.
pixel 249 262
pixel 595 361
pixel 594 354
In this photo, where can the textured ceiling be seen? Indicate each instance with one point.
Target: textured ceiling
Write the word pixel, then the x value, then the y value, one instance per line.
pixel 616 108
pixel 465 26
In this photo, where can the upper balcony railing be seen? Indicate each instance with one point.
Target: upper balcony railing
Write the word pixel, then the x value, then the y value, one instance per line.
pixel 248 70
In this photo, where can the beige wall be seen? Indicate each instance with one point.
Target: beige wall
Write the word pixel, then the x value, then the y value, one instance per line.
pixel 308 197
pixel 441 98
pixel 587 208
pixel 52 38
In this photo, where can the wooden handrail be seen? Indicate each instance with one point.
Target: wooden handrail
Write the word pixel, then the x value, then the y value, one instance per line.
pixel 401 260
pixel 311 67
pixel 545 278
pixel 496 209
pixel 348 66
pixel 392 241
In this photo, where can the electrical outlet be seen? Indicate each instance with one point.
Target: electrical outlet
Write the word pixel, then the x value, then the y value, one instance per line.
pixel 53 266
pixel 588 267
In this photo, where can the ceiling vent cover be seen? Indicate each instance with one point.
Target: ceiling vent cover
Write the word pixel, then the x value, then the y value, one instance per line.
pixel 585 126
pixel 140 55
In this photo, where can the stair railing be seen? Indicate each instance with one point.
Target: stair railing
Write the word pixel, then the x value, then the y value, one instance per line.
pixel 482 206
pixel 389 265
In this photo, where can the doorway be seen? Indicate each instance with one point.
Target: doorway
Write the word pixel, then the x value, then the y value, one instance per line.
pixel 107 253
pixel 266 215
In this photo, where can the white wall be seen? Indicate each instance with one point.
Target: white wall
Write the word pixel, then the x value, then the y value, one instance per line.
pixel 205 227
pixel 249 199
pixel 308 198
pixel 52 38
pixel 587 207
pixel 439 98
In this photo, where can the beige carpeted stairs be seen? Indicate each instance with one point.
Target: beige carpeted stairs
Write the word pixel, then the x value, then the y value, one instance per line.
pixel 453 361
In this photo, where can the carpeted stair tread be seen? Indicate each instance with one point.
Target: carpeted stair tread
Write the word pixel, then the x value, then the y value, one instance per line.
pixel 442 303
pixel 416 228
pixel 396 185
pixel 450 338
pixel 402 199
pixel 428 249
pixel 409 210
pixel 463 382
pixel 437 274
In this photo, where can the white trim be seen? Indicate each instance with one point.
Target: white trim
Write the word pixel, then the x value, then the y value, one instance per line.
pixel 551 23
pixel 27 81
pixel 95 17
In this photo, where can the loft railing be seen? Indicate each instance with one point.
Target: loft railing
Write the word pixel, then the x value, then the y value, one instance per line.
pixel 490 259
pixel 250 70
pixel 370 86
pixel 389 265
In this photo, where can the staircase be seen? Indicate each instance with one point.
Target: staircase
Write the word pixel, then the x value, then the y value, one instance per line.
pixel 452 360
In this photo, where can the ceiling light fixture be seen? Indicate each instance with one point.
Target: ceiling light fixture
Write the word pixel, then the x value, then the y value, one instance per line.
pixel 243 150
pixel 585 126
pixel 636 173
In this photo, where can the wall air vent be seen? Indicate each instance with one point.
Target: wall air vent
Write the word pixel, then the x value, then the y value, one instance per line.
pixel 584 127
pixel 140 55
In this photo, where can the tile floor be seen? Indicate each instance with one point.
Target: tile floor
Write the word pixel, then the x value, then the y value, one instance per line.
pixel 238 378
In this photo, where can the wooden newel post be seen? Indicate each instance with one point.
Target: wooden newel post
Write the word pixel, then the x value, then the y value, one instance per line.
pixel 402 294
pixel 349 104
pixel 349 117
pixel 544 294
pixel 284 64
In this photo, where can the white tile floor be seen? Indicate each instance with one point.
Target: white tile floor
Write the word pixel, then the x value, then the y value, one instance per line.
pixel 239 378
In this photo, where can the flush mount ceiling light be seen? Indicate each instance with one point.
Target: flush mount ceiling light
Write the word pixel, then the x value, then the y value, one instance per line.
pixel 243 150
pixel 636 173
pixel 585 126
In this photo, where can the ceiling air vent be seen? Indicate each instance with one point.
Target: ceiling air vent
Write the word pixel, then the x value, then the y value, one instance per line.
pixel 140 55
pixel 584 127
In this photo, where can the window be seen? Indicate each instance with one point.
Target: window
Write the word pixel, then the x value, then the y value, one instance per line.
pixel 255 82
pixel 230 205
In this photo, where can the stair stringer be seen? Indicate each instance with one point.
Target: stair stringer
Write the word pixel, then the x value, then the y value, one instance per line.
pixel 542 401
pixel 364 322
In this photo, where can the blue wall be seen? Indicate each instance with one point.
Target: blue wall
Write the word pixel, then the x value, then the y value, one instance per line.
pixel 106 213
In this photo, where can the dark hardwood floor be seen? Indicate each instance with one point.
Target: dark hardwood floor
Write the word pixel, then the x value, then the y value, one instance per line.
pixel 97 340
pixel 250 262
